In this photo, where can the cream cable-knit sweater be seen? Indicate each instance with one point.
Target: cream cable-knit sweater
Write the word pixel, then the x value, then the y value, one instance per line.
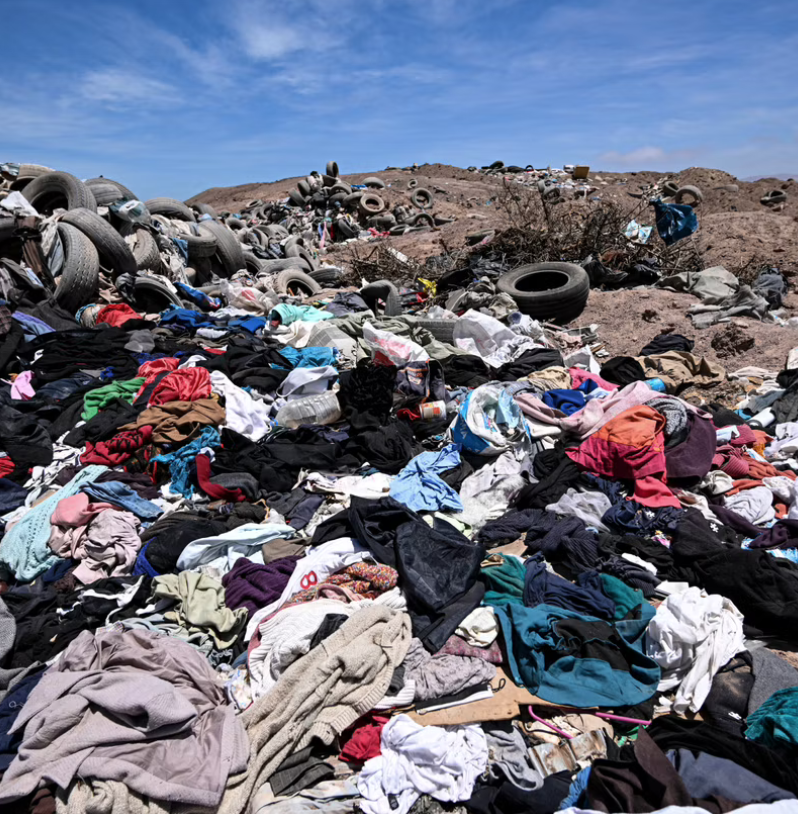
pixel 320 695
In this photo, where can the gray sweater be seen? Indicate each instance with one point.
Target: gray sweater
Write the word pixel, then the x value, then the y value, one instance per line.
pixel 320 695
pixel 135 707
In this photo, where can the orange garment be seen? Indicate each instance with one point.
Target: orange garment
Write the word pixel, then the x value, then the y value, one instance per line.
pixel 631 446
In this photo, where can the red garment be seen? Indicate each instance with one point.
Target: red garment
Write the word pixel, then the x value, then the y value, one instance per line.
pixel 116 315
pixel 212 490
pixel 188 384
pixel 364 742
pixel 118 449
pixel 6 466
pixel 631 447
pixel 733 461
pixel 150 371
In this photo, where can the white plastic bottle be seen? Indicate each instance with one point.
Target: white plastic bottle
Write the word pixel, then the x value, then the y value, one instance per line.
pixel 319 409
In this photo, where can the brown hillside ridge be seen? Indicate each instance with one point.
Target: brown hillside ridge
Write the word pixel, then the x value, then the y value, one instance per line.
pixel 735 231
pixel 735 228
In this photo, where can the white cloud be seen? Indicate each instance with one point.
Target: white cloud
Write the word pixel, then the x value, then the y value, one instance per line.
pixel 121 88
pixel 269 40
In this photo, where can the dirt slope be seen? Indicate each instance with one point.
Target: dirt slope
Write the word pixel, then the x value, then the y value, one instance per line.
pixel 735 230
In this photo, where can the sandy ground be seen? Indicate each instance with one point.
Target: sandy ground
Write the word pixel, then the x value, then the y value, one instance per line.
pixel 735 231
pixel 624 329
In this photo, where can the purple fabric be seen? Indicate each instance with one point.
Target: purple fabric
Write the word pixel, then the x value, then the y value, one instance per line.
pixel 739 524
pixel 252 586
pixel 784 534
pixel 693 457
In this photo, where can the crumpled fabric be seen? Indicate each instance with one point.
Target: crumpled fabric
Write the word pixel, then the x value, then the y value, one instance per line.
pixel 677 369
pixel 307 381
pixel 711 286
pixel 419 487
pixel 22 389
pixel 509 756
pixel 589 507
pixel 244 414
pixel 132 707
pixel 96 399
pixel 181 462
pixel 631 446
pixel 674 221
pixel 179 421
pixel 103 539
pixel 488 493
pixel 288 314
pixel 151 370
pixel 595 414
pixel 221 552
pixel 669 341
pixel 755 505
pixel 187 384
pixel 437 676
pixel 24 550
pixel 775 723
pixel 199 606
pixel 416 760
pixel 744 302
pixel 692 635
pixel 479 628
pixel 546 654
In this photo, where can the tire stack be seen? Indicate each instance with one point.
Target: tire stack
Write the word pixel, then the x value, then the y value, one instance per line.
pixel 346 209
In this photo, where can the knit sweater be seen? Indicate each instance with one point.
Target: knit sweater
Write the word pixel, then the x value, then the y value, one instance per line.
pixel 320 695
pixel 105 797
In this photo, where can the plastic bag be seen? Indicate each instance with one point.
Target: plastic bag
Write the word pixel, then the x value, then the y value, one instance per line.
pixel 131 211
pixel 246 297
pixel 390 348
pixel 485 336
pixel 490 422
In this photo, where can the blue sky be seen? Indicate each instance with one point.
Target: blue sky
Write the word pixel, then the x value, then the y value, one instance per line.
pixel 173 97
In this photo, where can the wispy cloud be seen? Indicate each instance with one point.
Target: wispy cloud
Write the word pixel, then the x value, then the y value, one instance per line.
pixel 647 157
pixel 120 88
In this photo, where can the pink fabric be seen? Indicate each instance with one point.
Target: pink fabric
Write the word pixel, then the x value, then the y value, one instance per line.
pixel 537 410
pixel 110 548
pixel 597 412
pixel 21 388
pixel 578 376
pixel 734 462
pixel 104 539
pixel 594 415
pixel 69 522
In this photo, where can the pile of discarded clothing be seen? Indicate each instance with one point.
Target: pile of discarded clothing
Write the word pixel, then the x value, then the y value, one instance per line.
pixel 276 551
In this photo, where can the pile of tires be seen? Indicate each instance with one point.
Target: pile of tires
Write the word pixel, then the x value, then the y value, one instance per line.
pixel 323 202
pixel 167 242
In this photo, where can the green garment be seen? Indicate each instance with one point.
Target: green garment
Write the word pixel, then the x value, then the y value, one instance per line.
pixel 624 597
pixel 775 723
pixel 504 583
pixel 96 400
pixel 200 606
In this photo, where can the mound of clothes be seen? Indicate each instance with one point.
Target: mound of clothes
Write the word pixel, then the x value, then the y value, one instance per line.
pixel 499 577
